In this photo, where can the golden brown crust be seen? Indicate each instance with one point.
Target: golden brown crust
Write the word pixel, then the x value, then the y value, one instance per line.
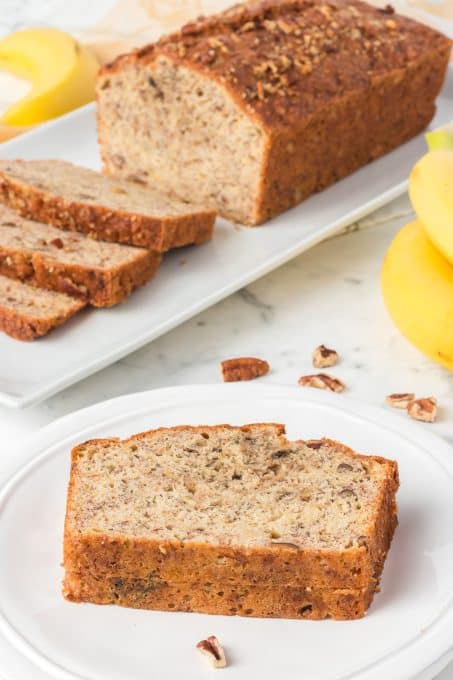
pixel 241 599
pixel 338 142
pixel 77 450
pixel 27 327
pixel 303 53
pixel 99 287
pixel 105 556
pixel 108 555
pixel 333 85
pixel 157 234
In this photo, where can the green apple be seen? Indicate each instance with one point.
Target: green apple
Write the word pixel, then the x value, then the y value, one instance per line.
pixel 440 139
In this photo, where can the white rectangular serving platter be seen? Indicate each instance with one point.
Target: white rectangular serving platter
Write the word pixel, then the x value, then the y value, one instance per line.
pixel 190 279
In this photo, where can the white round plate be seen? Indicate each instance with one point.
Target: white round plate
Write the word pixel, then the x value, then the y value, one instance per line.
pixel 408 632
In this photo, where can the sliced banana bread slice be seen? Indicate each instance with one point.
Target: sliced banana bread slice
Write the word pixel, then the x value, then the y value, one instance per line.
pixel 78 199
pixel 228 505
pixel 100 273
pixel 27 313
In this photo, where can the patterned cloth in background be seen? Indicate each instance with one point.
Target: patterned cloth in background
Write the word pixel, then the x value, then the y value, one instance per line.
pixel 132 23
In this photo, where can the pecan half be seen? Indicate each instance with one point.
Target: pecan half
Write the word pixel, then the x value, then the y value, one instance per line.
pixel 244 368
pixel 423 409
pixel 323 357
pixel 322 381
pixel 213 650
pixel 400 400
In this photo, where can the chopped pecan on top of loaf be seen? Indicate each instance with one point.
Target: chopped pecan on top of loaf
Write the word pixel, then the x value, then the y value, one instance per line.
pixel 423 409
pixel 213 650
pixel 388 9
pixel 324 357
pixel 297 38
pixel 322 381
pixel 243 368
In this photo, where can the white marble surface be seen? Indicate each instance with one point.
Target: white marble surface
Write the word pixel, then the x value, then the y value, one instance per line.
pixel 329 295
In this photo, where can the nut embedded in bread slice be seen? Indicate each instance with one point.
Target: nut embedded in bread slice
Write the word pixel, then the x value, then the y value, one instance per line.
pixel 219 504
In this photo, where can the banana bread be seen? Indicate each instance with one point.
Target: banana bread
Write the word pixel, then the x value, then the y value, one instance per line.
pixel 233 507
pixel 255 109
pixel 100 273
pixel 27 313
pixel 78 199
pixel 240 598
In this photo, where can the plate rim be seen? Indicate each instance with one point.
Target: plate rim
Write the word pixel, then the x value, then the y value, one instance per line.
pixel 45 440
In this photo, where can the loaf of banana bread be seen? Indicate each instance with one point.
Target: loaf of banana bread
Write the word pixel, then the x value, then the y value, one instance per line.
pixel 252 110
pixel 228 519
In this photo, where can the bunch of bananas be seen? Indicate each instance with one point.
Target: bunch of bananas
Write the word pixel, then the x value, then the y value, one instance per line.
pixel 417 275
pixel 62 74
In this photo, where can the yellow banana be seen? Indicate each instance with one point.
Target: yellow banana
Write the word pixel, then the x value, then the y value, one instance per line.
pixel 431 193
pixel 417 285
pixel 62 74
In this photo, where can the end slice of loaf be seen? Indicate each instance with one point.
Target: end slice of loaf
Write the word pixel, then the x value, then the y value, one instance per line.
pixel 78 199
pixel 27 313
pixel 227 505
pixel 101 273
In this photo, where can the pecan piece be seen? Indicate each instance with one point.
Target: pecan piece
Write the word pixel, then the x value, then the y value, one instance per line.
pixel 323 357
pixel 67 286
pixel 58 243
pixel 423 409
pixel 388 9
pixel 209 57
pixel 286 544
pixel 314 443
pixel 244 368
pixel 322 381
pixel 400 400
pixel 344 467
pixel 213 650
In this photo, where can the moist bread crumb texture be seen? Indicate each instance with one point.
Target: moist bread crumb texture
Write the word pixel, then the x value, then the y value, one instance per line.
pixel 98 272
pixel 27 313
pixel 228 520
pixel 252 110
pixel 78 199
